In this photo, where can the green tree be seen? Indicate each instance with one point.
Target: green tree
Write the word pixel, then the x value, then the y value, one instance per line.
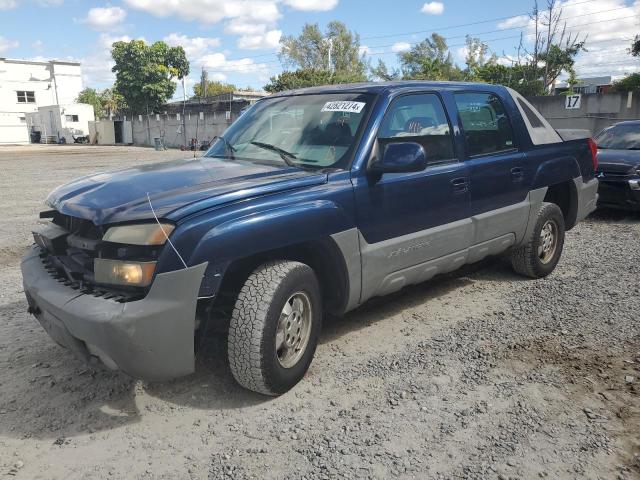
pixel 477 56
pixel 308 78
pixel 145 73
pixel 513 76
pixel 635 47
pixel 429 60
pixel 558 59
pixel 628 83
pixel 554 48
pixel 337 50
pixel 112 102
pixel 91 97
pixel 572 82
pixel 213 88
pixel 476 53
pixel 320 58
pixel 382 72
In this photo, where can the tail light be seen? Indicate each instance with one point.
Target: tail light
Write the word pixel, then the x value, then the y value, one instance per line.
pixel 594 153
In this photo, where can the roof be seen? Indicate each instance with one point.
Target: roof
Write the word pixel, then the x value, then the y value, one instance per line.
pixel 388 87
pixel 587 81
pixel 33 62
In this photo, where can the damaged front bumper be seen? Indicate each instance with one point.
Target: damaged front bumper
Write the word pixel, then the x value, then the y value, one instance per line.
pixel 150 339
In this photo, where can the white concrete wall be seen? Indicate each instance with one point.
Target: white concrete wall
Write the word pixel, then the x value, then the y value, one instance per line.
pixel 127 132
pixel 102 132
pixel 53 120
pixel 13 130
pixel 69 82
pixel 52 83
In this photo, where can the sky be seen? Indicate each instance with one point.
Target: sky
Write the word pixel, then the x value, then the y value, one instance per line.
pixel 237 41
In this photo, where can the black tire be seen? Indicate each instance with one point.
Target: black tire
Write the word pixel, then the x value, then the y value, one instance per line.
pixel 254 362
pixel 526 259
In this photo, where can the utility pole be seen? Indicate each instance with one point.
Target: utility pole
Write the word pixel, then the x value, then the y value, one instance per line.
pixel 330 40
pixel 184 106
pixel 203 93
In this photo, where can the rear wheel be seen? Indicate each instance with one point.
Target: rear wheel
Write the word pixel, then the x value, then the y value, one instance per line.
pixel 275 326
pixel 539 255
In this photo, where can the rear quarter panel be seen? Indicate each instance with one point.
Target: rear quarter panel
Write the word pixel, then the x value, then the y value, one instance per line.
pixel 559 162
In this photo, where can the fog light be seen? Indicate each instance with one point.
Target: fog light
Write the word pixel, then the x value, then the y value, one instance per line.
pixel 117 272
pixel 634 184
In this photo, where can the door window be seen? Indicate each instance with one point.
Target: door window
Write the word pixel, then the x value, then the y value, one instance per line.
pixel 487 128
pixel 421 119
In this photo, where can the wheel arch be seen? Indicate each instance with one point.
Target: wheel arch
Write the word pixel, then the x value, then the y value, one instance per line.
pixel 565 195
pixel 323 255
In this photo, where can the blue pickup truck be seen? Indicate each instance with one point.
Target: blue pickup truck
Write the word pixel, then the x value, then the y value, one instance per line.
pixel 311 203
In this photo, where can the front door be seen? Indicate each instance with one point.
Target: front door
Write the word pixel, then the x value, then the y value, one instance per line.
pixel 413 225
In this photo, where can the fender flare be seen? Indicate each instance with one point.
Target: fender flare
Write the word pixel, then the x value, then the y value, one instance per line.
pixel 556 170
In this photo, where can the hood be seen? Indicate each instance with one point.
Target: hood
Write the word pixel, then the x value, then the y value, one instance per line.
pixel 121 196
pixel 618 161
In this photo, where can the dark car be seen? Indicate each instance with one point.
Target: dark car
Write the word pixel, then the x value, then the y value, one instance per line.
pixel 619 166
pixel 313 201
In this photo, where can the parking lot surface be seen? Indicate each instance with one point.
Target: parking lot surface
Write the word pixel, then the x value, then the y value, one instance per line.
pixel 476 374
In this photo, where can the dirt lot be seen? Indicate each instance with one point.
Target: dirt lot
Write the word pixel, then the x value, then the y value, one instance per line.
pixel 478 374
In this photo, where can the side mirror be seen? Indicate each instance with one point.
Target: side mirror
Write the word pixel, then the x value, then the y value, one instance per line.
pixel 400 157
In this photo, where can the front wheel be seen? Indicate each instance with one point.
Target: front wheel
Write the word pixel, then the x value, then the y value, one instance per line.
pixel 275 326
pixel 539 255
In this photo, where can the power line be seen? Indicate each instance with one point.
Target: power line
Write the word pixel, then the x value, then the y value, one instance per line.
pixel 518 36
pixel 257 66
pixel 521 28
pixel 384 52
pixel 451 27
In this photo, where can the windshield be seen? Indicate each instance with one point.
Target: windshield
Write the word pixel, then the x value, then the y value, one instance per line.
pixel 313 131
pixel 620 137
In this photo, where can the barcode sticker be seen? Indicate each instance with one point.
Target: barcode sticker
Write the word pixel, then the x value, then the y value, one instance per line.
pixel 343 106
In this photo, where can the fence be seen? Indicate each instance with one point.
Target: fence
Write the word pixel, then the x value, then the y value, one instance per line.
pixel 590 111
pixel 179 125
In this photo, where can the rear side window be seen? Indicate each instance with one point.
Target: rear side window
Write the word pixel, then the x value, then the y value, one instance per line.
pixel 419 118
pixel 487 128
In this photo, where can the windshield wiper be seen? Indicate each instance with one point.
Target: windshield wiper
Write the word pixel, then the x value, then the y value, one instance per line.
pixel 230 148
pixel 288 157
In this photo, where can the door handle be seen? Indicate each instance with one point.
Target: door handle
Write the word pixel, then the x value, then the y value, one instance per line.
pixel 517 174
pixel 460 185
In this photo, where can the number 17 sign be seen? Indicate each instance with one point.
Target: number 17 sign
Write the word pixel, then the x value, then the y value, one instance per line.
pixel 573 102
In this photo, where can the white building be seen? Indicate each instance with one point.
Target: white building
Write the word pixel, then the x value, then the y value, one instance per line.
pixel 54 122
pixel 26 85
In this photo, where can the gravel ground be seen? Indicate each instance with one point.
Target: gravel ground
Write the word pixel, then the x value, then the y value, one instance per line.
pixel 477 374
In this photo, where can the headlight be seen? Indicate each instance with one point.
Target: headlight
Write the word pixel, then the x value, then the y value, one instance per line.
pixel 118 272
pixel 141 234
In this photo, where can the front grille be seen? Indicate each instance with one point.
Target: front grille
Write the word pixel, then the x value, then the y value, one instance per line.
pixel 84 286
pixel 70 259
pixel 78 226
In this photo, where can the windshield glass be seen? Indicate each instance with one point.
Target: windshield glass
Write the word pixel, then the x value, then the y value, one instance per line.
pixel 620 137
pixel 314 131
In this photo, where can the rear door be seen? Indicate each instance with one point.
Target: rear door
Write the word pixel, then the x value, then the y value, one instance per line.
pixel 407 219
pixel 498 174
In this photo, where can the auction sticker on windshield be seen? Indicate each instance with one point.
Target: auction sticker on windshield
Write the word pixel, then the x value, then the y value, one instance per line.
pixel 343 106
